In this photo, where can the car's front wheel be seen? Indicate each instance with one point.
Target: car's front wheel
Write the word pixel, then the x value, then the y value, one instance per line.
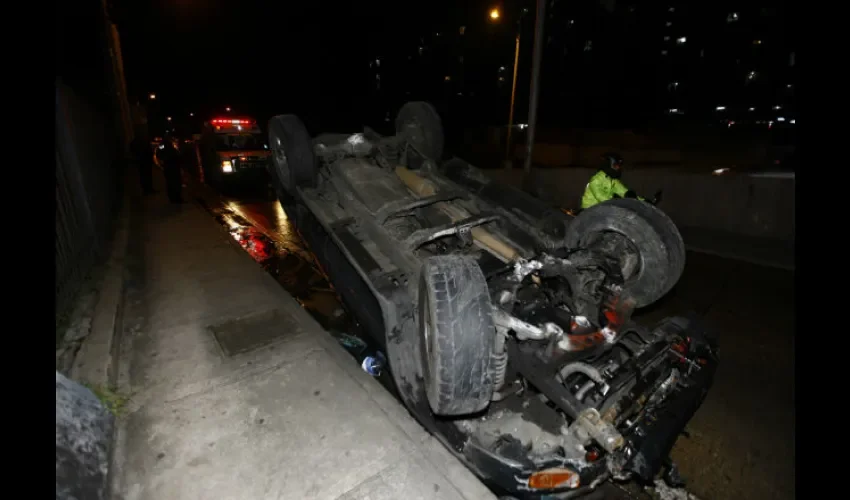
pixel 456 334
pixel 641 237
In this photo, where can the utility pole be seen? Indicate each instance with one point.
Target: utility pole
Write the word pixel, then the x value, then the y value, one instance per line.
pixel 535 82
pixel 508 155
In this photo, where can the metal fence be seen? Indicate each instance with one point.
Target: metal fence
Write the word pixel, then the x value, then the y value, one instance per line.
pixel 88 175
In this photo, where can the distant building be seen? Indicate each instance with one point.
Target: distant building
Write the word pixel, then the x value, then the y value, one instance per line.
pixel 605 63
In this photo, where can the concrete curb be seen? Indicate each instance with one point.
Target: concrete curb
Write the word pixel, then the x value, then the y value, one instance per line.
pixel 96 361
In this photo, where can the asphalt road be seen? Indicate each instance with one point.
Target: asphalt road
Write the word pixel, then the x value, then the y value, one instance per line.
pixel 741 442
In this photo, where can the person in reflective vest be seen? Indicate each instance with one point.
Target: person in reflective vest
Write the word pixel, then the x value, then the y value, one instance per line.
pixel 606 184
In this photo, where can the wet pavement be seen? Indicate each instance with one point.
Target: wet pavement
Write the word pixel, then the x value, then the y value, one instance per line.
pixel 741 441
pixel 262 228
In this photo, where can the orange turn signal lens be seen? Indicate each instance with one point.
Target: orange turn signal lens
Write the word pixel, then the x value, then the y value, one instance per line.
pixel 553 478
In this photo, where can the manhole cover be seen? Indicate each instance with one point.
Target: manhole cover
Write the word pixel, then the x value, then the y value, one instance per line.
pixel 241 335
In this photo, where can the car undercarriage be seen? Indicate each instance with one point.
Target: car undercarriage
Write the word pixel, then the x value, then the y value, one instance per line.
pixel 507 323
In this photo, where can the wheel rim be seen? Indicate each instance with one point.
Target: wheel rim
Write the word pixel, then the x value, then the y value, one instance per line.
pixel 281 162
pixel 629 256
pixel 414 135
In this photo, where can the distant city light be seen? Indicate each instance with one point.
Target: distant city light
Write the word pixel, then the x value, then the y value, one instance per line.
pixel 793 121
pixel 720 108
pixel 730 123
pixel 227 109
pixel 152 97
pixel 378 62
pixel 522 125
pixel 191 114
pixel 494 14
pixel 462 30
pixel 681 40
pixel 168 118
pixel 501 68
pixel 789 86
pixel 756 42
pixel 780 118
pixel 447 78
pixel 777 107
pixel 667 38
pixel 720 171
pixel 732 17
pixel 663 52
pixel 672 9
pixel 751 75
pixel 674 110
pixel 752 109
pixel 669 23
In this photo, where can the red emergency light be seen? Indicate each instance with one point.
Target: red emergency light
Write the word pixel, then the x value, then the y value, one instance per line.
pixel 231 121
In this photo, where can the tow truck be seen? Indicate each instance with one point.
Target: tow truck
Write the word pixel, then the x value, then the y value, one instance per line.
pixel 232 151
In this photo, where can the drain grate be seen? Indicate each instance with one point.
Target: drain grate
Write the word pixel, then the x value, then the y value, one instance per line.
pixel 241 335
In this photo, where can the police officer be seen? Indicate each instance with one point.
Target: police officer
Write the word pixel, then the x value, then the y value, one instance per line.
pixel 606 184
pixel 171 161
pixel 143 155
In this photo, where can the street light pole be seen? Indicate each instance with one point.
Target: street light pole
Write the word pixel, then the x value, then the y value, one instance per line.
pixel 535 82
pixel 508 160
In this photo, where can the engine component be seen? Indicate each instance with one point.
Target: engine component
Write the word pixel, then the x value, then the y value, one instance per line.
pixel 590 426
pixel 523 330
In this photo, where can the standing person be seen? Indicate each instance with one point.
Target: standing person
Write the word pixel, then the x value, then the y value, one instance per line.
pixel 143 156
pixel 171 161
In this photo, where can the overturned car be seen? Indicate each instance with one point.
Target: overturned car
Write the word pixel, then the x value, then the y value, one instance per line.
pixel 506 323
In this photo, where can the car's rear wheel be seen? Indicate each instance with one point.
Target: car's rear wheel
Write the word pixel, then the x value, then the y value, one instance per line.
pixel 420 125
pixel 293 163
pixel 456 335
pixel 642 237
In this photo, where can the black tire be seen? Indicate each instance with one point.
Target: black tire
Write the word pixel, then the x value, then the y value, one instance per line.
pixel 293 163
pixel 456 332
pixel 419 122
pixel 647 229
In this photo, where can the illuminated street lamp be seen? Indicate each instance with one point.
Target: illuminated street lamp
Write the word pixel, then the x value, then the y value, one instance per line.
pixel 191 114
pixel 168 118
pixel 495 14
pixel 228 109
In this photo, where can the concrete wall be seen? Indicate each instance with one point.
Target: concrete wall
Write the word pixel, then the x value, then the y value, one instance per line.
pixel 751 206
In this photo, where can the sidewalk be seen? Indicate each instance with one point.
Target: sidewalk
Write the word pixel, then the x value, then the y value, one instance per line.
pixel 238 394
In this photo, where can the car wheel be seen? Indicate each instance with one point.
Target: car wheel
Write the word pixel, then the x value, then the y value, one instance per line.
pixel 456 334
pixel 420 124
pixel 293 162
pixel 642 237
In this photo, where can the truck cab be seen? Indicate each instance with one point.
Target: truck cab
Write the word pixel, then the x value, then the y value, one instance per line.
pixel 232 151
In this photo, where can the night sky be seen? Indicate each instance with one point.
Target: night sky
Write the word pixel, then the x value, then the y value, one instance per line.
pixel 312 58
pixel 257 55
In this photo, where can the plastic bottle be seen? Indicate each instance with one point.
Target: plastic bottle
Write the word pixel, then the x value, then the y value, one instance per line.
pixel 374 364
